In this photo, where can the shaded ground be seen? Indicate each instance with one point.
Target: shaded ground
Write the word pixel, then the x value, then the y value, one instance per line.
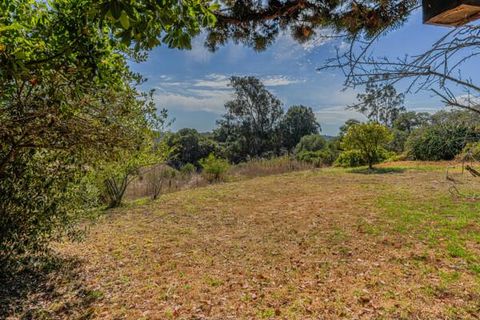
pixel 45 288
pixel 324 244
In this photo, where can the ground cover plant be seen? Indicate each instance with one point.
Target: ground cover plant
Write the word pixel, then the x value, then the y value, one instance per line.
pixel 333 243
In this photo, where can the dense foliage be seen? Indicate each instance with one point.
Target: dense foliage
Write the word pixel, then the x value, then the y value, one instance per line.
pixel 69 101
pixel 350 158
pixel 214 168
pixel 297 122
pixel 41 192
pixel 258 23
pixel 249 128
pixel 311 142
pixel 369 139
pixel 188 147
pixel 314 149
pixel 324 157
pixel 440 141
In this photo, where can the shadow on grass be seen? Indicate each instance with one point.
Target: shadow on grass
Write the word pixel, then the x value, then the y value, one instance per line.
pixel 364 170
pixel 44 288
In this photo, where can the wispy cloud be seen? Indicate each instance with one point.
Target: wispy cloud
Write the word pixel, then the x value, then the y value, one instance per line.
pixel 288 49
pixel 208 93
pixel 211 101
pixel 337 115
pixel 199 53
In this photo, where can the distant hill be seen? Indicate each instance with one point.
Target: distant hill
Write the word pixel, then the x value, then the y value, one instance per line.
pixel 328 138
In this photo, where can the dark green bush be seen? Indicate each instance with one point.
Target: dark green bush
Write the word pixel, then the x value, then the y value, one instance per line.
pixel 189 146
pixel 441 141
pixel 312 142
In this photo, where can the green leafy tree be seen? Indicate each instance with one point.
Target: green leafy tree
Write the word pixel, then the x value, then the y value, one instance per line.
pixel 311 142
pixel 380 103
pixel 316 150
pixel 411 120
pixel 189 146
pixel 297 122
pixel 369 139
pixel 344 128
pixel 250 128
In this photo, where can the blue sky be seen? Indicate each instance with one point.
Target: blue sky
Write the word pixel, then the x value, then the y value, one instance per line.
pixel 192 85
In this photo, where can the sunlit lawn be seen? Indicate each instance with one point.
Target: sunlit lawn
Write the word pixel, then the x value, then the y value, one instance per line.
pixel 322 244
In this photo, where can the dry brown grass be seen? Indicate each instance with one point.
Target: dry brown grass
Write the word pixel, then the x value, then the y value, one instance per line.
pixel 139 188
pixel 265 167
pixel 324 244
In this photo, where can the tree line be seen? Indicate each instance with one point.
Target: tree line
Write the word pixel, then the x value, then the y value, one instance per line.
pixel 255 126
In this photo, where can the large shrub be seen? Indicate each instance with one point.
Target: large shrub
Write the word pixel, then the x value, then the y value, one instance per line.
pixel 441 141
pixel 350 158
pixel 369 140
pixel 41 197
pixel 311 142
pixel 214 169
pixel 298 122
pixel 318 158
pixel 189 146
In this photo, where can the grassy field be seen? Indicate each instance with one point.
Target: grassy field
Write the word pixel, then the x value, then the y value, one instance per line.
pixel 317 244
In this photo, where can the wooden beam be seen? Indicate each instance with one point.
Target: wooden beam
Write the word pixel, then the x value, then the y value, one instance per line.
pixel 450 12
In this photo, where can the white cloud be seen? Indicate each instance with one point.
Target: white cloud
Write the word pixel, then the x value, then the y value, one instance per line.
pixel 468 100
pixel 199 53
pixel 208 93
pixel 287 48
pixel 212 80
pixel 279 80
pixel 337 115
pixel 212 101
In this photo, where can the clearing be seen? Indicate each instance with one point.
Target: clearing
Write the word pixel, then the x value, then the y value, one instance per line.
pixel 322 244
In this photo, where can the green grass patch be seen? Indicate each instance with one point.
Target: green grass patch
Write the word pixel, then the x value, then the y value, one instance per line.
pixel 443 222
